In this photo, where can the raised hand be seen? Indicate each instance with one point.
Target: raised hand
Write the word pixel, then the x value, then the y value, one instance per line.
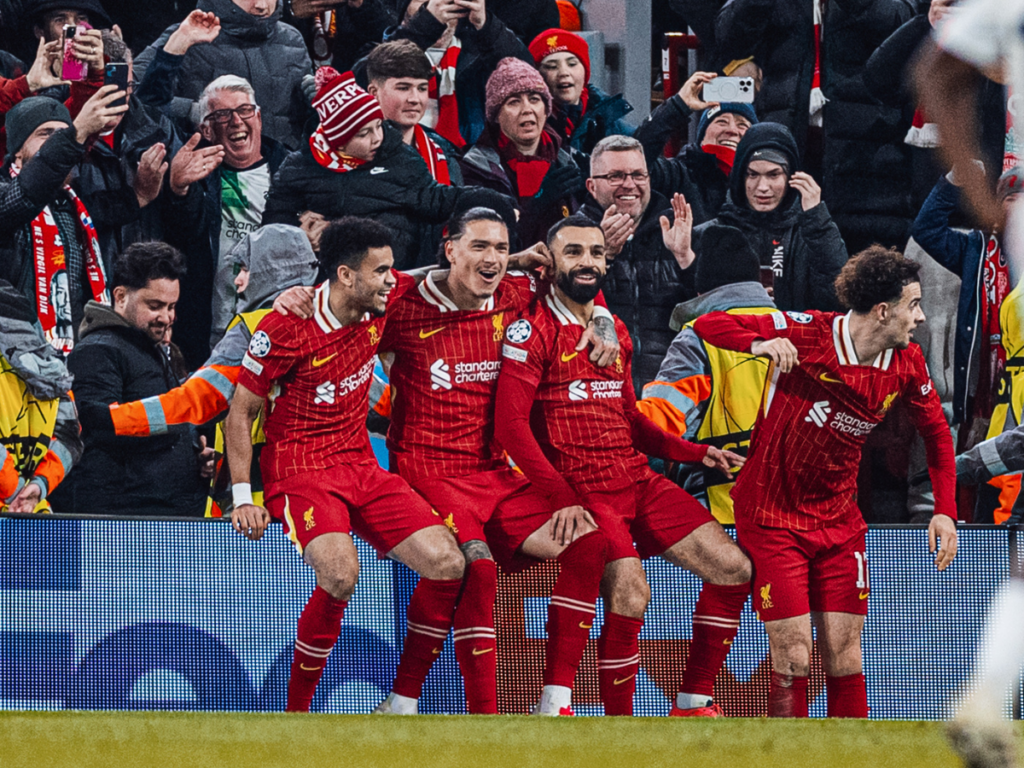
pixel 537 256
pixel 780 351
pixel 477 11
pixel 198 27
pixel 692 92
pixel 88 47
pixel 678 234
pixel 617 228
pixel 810 192
pixel 191 165
pixel 40 74
pixel 446 11
pixel 149 177
pixel 313 224
pixel 97 115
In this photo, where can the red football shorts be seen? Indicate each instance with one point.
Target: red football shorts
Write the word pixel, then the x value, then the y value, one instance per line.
pixel 499 507
pixel 796 572
pixel 379 507
pixel 654 512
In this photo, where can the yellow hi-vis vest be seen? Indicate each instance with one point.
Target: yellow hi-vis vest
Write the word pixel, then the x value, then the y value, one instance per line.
pixel 737 386
pixel 26 424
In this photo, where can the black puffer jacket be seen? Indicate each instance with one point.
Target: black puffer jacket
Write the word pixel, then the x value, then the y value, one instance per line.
pixel 116 363
pixel 813 249
pixel 395 189
pixel 644 285
pixel 268 53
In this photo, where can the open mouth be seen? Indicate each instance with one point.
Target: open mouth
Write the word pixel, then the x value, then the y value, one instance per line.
pixel 488 275
pixel 585 278
pixel 628 198
pixel 731 143
pixel 238 139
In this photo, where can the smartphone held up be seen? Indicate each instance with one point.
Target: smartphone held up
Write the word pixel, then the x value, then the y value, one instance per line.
pixel 72 68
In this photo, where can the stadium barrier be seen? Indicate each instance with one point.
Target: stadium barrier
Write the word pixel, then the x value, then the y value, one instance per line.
pixel 186 614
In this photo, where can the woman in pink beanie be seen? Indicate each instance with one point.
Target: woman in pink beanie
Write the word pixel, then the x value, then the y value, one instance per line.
pixel 519 155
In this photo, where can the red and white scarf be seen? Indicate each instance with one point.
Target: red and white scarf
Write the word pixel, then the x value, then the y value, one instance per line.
pixel 50 262
pixel 1011 144
pixel 329 158
pixel 442 93
pixel 432 155
pixel 995 289
pixel 817 97
pixel 324 31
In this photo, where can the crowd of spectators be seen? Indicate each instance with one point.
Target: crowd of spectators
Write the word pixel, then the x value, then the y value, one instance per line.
pixel 130 221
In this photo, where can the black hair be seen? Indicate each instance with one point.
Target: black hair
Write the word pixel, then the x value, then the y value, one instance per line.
pixel 457 224
pixel 875 275
pixel 577 220
pixel 347 240
pixel 142 262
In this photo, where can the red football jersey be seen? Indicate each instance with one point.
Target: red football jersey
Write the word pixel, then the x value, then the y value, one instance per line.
pixel 579 415
pixel 315 375
pixel 443 377
pixel 805 451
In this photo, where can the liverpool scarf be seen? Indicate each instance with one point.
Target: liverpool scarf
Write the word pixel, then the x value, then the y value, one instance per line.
pixel 329 158
pixel 433 156
pixel 442 92
pixel 817 97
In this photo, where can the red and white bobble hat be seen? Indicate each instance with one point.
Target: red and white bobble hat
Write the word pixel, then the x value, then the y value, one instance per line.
pixel 342 106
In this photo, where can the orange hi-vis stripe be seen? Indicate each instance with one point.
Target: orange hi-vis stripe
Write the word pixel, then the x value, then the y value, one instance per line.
pixel 197 401
pixel 669 416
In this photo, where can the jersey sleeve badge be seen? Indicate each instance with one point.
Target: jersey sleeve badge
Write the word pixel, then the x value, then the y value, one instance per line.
pixel 259 344
pixel 800 317
pixel 519 332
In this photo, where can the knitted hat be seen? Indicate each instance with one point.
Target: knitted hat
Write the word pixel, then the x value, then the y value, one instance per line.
pixel 1010 183
pixel 511 77
pixel 559 41
pixel 735 107
pixel 28 115
pixel 725 258
pixel 342 106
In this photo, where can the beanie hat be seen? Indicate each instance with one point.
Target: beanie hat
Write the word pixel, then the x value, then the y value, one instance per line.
pixel 29 114
pixel 511 77
pixel 1010 183
pixel 735 107
pixel 725 258
pixel 559 41
pixel 342 106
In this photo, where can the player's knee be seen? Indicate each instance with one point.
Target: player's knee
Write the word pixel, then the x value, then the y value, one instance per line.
pixel 629 595
pixel 738 568
pixel 447 564
pixel 339 582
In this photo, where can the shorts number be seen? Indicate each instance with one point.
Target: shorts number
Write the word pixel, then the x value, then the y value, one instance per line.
pixel 863 573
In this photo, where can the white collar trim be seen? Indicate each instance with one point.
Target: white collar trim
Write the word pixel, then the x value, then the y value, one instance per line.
pixel 433 295
pixel 845 350
pixel 562 313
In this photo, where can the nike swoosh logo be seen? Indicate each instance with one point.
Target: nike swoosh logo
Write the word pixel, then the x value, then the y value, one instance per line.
pixel 428 334
pixel 318 361
pixel 825 377
pixel 375 171
pixel 624 680
pixel 585 626
pixel 566 358
pixel 727 642
pixel 481 651
pixel 309 669
pixel 437 651
pixel 863 595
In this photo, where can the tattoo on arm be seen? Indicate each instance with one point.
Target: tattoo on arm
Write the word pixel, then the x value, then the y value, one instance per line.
pixel 604 328
pixel 475 550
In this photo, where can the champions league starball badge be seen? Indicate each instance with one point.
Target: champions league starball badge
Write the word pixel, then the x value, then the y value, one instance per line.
pixel 259 345
pixel 519 331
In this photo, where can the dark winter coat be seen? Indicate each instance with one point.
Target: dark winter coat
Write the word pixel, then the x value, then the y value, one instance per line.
pixel 268 53
pixel 142 23
pixel 813 249
pixel 693 172
pixel 962 253
pixel 483 166
pixel 482 49
pixel 114 362
pixel 395 189
pixel 526 18
pixel 199 242
pixel 643 286
pixel 603 118
pixel 866 165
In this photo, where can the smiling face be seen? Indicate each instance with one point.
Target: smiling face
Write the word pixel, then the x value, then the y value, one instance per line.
pixel 522 117
pixel 150 308
pixel 479 258
pixel 725 130
pixel 365 143
pixel 371 281
pixel 240 137
pixel 766 185
pixel 402 99
pixel 580 265
pixel 630 197
pixel 565 76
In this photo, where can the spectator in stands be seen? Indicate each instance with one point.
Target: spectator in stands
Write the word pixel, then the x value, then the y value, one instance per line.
pixel 647 245
pixel 358 165
pixel 48 20
pixel 39 77
pixel 123 172
pixel 221 189
pixel 520 155
pixel 40 436
pixel 464 43
pixel 813 56
pixel 779 210
pixel 977 257
pixel 124 355
pixel 582 114
pixel 142 23
pixel 354 28
pixel 47 234
pixel 700 172
pixel 234 37
pixel 399 74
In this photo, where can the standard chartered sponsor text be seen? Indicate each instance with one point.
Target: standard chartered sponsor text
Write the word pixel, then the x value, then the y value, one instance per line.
pixel 486 370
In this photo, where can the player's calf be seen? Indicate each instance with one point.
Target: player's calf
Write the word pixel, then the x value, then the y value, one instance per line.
pixel 475 640
pixel 790 642
pixel 627 594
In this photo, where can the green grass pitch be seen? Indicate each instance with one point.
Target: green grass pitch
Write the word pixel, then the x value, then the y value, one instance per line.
pixel 230 740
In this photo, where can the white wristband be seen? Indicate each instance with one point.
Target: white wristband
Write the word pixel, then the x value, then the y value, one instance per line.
pixel 600 311
pixel 241 494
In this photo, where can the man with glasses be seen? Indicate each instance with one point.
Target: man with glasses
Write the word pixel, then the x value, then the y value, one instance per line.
pixel 220 189
pixel 648 247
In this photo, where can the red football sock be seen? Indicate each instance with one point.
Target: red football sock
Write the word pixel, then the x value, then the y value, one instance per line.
pixel 787 696
pixel 475 641
pixel 428 619
pixel 319 626
pixel 715 622
pixel 618 661
pixel 847 696
pixel 571 610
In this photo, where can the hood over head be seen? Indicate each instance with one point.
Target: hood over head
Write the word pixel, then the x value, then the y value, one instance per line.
pixel 234 22
pixel 278 256
pixel 776 142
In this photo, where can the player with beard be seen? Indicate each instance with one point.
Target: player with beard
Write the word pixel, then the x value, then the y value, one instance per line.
pixel 443 347
pixel 320 476
pixel 576 433
pixel 833 379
